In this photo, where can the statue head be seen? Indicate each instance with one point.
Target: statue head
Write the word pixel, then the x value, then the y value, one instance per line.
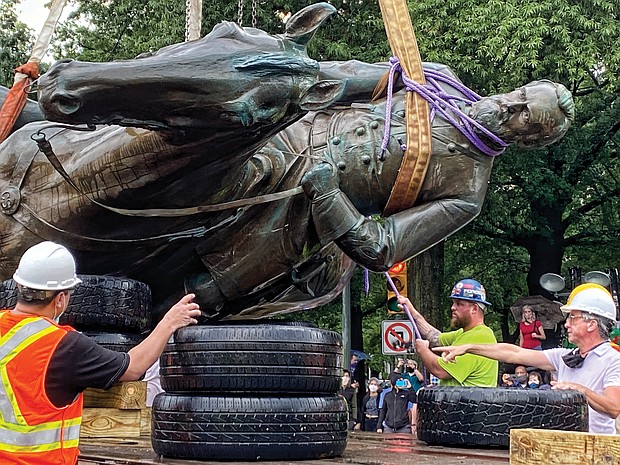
pixel 534 115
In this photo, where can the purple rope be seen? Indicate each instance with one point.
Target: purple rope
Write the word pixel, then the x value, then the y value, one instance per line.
pixel 366 282
pixel 443 103
pixel 410 316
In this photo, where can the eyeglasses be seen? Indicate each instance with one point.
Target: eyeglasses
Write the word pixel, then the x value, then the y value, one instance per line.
pixel 572 318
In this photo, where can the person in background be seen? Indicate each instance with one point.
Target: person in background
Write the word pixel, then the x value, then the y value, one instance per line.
pixel 521 377
pixel 350 394
pixel 369 411
pixel 592 368
pixel 415 377
pixel 153 383
pixel 394 413
pixel 46 366
pixel 468 307
pixel 508 380
pixel 531 332
pixel 535 381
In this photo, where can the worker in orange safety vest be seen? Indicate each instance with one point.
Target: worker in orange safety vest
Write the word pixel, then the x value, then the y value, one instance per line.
pixel 45 366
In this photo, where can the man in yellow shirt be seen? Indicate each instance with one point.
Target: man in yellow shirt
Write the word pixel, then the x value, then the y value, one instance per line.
pixel 468 306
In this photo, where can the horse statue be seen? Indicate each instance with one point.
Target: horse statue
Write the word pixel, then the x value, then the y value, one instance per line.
pixel 247 177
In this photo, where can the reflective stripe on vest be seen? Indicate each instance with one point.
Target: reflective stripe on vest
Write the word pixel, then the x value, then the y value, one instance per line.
pixel 17 435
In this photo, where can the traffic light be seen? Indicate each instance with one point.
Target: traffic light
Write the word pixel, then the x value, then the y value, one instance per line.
pixel 398 273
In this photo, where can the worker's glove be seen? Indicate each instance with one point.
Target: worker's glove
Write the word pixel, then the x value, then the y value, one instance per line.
pixel 320 180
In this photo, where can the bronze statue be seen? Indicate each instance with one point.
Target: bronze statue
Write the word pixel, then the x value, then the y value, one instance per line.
pixel 205 198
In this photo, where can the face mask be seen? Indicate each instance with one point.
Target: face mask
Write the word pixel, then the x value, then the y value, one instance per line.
pixel 373 388
pixel 521 379
pixel 533 385
pixel 410 369
pixel 353 365
pixel 574 359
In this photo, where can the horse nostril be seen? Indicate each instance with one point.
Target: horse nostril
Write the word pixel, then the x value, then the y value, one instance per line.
pixel 66 104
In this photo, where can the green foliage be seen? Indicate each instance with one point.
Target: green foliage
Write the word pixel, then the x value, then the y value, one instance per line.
pixel 15 42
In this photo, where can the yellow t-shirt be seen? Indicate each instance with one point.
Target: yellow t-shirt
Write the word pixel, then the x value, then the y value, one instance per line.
pixel 469 369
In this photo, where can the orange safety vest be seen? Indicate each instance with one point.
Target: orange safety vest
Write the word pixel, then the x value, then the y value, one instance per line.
pixel 32 430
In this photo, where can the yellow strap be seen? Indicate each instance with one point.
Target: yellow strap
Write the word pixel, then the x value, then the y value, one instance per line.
pixel 415 159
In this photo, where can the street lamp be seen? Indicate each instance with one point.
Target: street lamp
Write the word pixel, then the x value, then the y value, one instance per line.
pixel 554 283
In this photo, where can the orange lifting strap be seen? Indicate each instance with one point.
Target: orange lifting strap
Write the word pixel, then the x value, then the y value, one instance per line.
pixel 416 157
pixel 27 73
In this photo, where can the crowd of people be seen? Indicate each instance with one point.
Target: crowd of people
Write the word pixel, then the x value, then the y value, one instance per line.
pixel 469 355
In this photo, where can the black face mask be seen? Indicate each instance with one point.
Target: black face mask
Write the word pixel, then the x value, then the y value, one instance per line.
pixel 574 359
pixel 410 369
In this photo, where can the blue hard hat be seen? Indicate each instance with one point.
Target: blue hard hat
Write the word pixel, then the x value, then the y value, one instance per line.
pixel 469 289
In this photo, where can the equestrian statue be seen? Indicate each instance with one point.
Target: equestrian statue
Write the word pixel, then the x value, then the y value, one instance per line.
pixel 237 168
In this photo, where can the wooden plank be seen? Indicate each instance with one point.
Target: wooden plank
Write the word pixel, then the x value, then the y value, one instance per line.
pixel 110 423
pixel 528 446
pixel 145 422
pixel 127 395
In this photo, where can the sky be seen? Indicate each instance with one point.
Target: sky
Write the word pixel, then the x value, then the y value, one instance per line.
pixel 33 13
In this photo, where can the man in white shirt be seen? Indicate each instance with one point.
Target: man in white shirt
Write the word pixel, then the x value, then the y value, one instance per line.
pixel 593 368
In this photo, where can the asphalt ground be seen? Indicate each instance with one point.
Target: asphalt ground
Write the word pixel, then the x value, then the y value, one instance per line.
pixel 362 448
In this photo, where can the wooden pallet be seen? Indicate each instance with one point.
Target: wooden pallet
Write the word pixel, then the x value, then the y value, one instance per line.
pixel 119 412
pixel 537 446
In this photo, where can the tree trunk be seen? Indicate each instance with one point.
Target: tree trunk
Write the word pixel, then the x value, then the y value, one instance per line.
pixel 425 284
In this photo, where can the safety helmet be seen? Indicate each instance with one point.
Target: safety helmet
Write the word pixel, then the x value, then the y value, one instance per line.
pixel 591 298
pixel 47 266
pixel 469 289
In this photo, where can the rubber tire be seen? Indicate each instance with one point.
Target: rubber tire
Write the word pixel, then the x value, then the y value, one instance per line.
pixel 256 358
pixel 249 428
pixel 484 416
pixel 99 303
pixel 115 341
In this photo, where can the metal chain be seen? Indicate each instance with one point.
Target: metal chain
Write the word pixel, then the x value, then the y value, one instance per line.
pixel 254 12
pixel 240 12
pixel 188 7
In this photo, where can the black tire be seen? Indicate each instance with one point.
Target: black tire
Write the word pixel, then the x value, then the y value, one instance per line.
pixel 484 416
pixel 8 294
pixel 100 303
pixel 249 428
pixel 257 358
pixel 115 341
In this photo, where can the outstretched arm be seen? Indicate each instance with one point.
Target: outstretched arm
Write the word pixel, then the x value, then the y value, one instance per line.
pixel 503 352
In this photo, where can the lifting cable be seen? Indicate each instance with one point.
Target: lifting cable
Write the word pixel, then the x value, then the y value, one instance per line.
pixel 27 73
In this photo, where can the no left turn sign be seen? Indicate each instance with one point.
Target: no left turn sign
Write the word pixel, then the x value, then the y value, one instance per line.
pixel 397 336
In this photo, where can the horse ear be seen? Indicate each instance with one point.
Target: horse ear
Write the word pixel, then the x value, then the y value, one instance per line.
pixel 321 95
pixel 302 25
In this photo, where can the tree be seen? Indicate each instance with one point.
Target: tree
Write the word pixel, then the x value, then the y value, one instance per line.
pixel 546 208
pixel 15 42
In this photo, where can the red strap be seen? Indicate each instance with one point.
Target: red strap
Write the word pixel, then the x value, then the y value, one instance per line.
pixel 16 98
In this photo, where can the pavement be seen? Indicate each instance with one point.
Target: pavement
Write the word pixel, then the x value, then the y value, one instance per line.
pixel 362 448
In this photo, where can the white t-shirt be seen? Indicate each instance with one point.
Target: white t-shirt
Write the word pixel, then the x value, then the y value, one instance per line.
pixel 153 386
pixel 600 370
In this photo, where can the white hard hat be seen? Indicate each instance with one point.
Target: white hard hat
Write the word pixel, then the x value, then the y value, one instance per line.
pixel 591 298
pixel 47 266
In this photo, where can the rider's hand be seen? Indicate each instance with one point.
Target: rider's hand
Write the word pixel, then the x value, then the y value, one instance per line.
pixel 320 179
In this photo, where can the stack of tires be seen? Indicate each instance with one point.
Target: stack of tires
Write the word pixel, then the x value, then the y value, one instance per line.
pixel 115 312
pixel 251 391
pixel 472 416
